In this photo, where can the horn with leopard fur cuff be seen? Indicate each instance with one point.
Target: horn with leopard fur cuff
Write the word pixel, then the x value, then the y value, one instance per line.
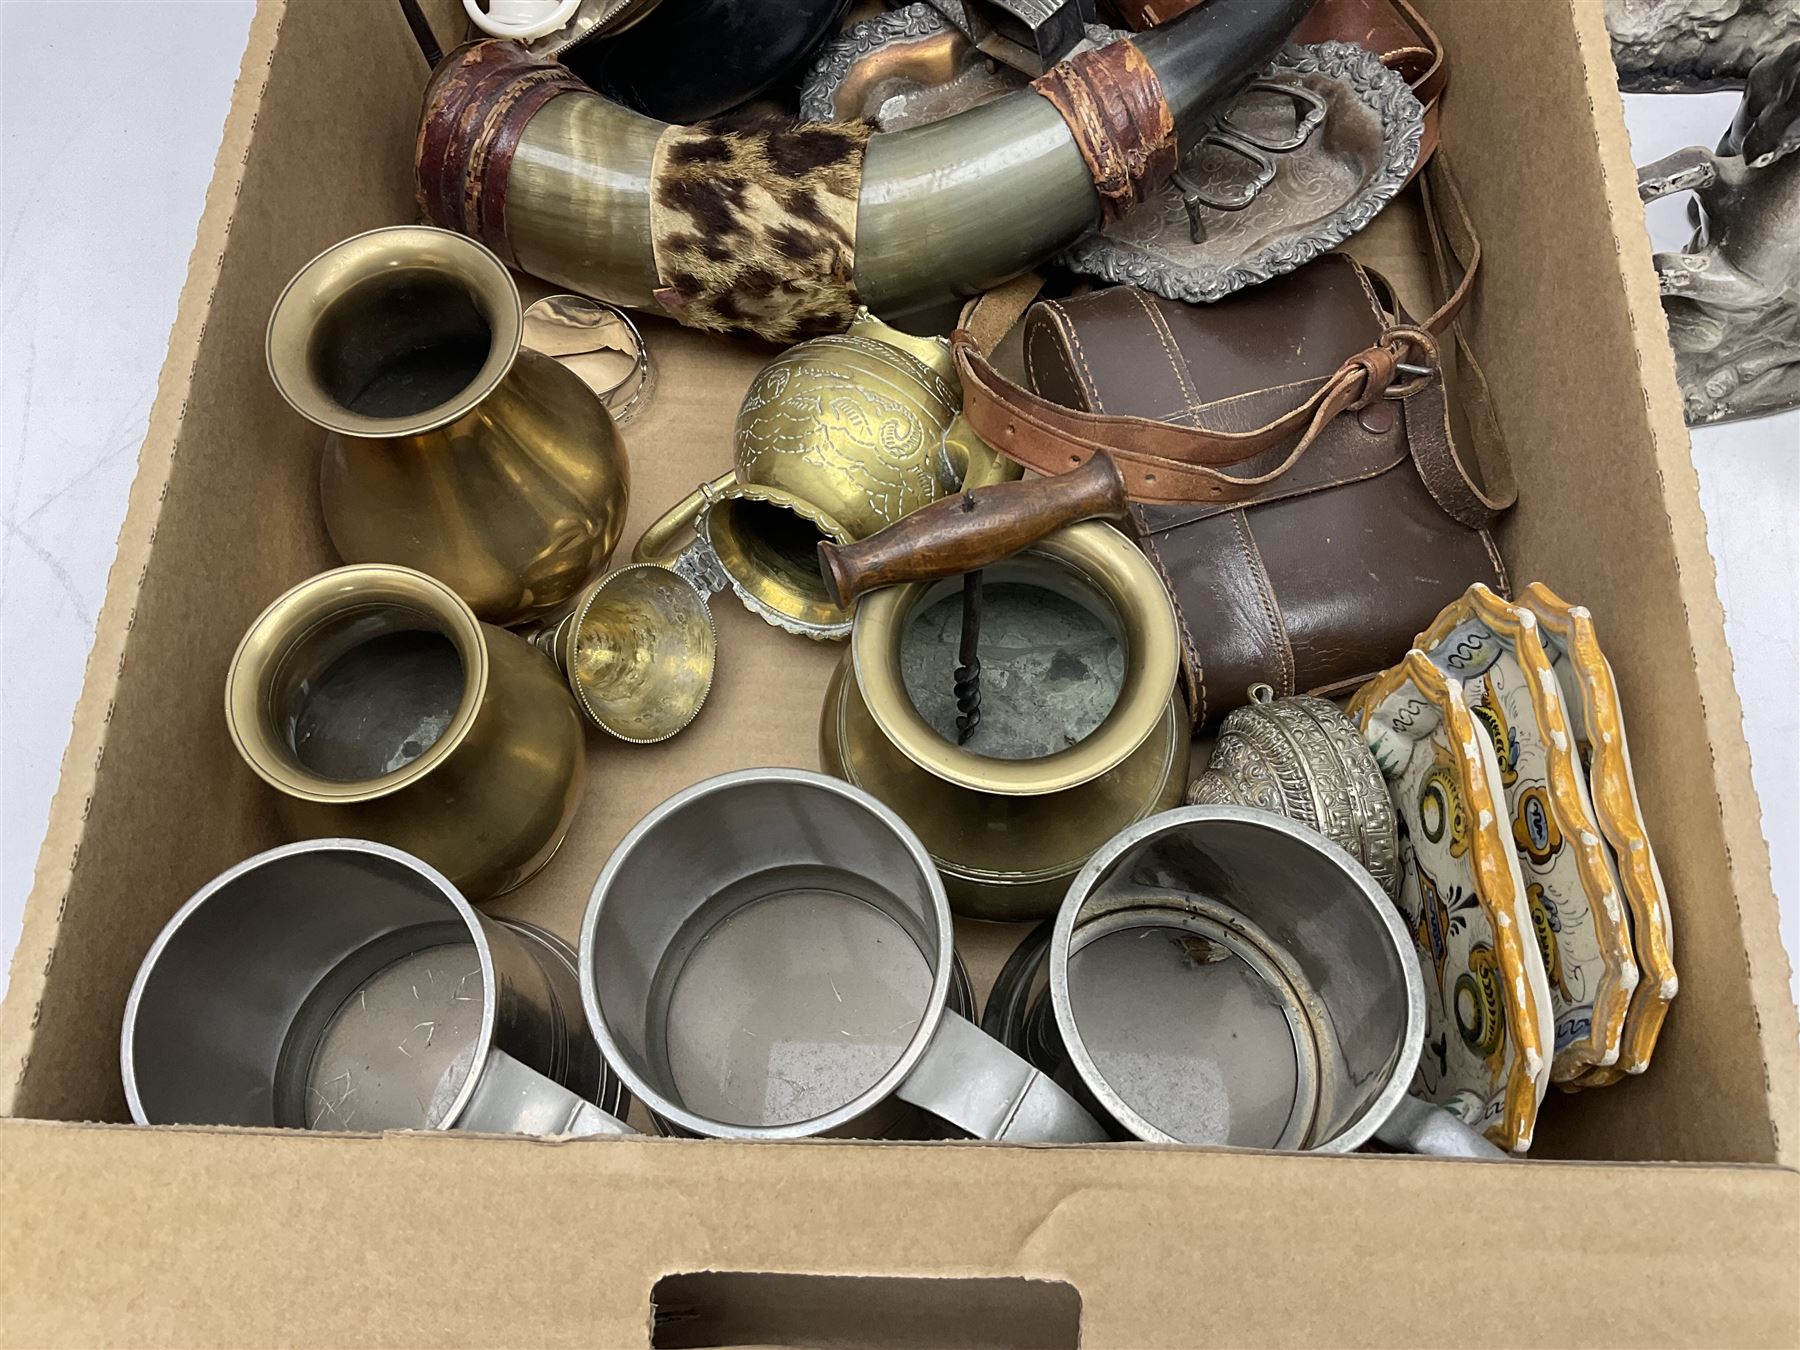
pixel 573 186
pixel 753 225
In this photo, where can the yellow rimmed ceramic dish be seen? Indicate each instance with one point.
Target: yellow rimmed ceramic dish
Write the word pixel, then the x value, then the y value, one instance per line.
pixel 1487 1001
pixel 1577 914
pixel 1592 698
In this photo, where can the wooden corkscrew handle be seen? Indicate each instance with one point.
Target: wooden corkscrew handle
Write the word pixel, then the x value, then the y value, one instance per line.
pixel 972 529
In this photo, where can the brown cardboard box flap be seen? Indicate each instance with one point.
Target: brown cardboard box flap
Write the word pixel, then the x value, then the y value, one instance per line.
pixel 243 1238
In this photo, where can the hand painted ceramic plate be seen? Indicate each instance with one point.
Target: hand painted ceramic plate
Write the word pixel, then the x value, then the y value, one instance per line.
pixel 1592 700
pixel 1487 1001
pixel 1577 911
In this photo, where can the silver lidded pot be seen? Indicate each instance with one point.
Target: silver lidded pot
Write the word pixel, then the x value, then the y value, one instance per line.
pixel 1301 758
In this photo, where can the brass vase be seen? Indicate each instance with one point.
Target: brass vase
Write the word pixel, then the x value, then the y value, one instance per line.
pixel 1009 834
pixel 379 707
pixel 451 448
pixel 837 438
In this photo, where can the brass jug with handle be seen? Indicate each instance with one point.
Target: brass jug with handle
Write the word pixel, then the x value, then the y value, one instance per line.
pixel 837 438
pixel 1091 732
pixel 452 449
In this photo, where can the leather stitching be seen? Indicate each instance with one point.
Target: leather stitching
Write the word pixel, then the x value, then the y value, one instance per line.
pixel 1284 652
pixel 1381 311
pixel 1187 638
pixel 1073 340
pixel 1160 326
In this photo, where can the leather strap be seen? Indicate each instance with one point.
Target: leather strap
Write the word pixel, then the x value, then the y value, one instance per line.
pixel 1166 462
pixel 1428 85
pixel 989 317
pixel 1113 104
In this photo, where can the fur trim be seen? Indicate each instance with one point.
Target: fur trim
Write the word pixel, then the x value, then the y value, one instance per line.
pixel 754 225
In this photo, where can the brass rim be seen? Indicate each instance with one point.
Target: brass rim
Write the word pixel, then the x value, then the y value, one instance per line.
pixel 758 589
pixel 1107 562
pixel 257 669
pixel 325 282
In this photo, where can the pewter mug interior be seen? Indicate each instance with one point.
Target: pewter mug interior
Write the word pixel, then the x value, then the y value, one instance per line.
pixel 1221 975
pixel 767 955
pixel 342 985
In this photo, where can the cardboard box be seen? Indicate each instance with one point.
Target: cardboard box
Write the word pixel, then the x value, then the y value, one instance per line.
pixel 1663 1210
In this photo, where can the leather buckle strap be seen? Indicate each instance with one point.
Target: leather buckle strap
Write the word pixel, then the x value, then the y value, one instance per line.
pixel 1399 339
pixel 1168 462
pixel 1161 461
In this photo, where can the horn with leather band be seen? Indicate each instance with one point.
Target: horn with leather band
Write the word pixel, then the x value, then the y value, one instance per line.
pixel 569 185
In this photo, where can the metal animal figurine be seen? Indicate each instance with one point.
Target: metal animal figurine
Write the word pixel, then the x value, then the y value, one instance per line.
pixel 1733 297
pixel 1689 46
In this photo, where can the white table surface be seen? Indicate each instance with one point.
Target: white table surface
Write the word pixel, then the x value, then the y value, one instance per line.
pixel 102 179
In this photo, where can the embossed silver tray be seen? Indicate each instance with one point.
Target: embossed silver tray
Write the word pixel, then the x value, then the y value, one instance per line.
pixel 1216 229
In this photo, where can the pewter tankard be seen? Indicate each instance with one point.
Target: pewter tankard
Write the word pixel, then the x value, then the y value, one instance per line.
pixel 1221 975
pixel 767 955
pixel 343 985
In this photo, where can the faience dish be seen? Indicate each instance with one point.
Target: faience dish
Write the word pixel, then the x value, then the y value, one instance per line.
pixel 1592 699
pixel 1487 1002
pixel 1572 889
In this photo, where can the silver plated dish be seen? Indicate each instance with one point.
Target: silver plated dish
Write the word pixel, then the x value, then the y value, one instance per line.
pixel 1274 185
pixel 1302 758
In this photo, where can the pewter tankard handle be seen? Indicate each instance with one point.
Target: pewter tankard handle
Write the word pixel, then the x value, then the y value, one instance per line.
pixel 1419 1127
pixel 512 1098
pixel 971 1080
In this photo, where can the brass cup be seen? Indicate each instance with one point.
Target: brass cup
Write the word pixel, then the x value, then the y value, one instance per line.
pixel 837 438
pixel 638 651
pixel 379 707
pixel 451 449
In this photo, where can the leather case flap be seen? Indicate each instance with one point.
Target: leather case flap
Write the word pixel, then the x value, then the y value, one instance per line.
pixel 1229 366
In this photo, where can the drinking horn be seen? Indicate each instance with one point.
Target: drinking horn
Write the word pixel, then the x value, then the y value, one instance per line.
pixel 781 229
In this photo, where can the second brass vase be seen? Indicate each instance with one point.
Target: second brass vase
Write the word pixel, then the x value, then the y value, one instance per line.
pixel 452 449
pixel 378 707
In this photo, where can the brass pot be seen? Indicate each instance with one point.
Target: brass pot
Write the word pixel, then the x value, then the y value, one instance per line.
pixel 451 449
pixel 379 707
pixel 1008 834
pixel 837 438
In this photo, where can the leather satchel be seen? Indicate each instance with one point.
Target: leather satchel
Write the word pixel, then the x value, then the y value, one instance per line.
pixel 1289 454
